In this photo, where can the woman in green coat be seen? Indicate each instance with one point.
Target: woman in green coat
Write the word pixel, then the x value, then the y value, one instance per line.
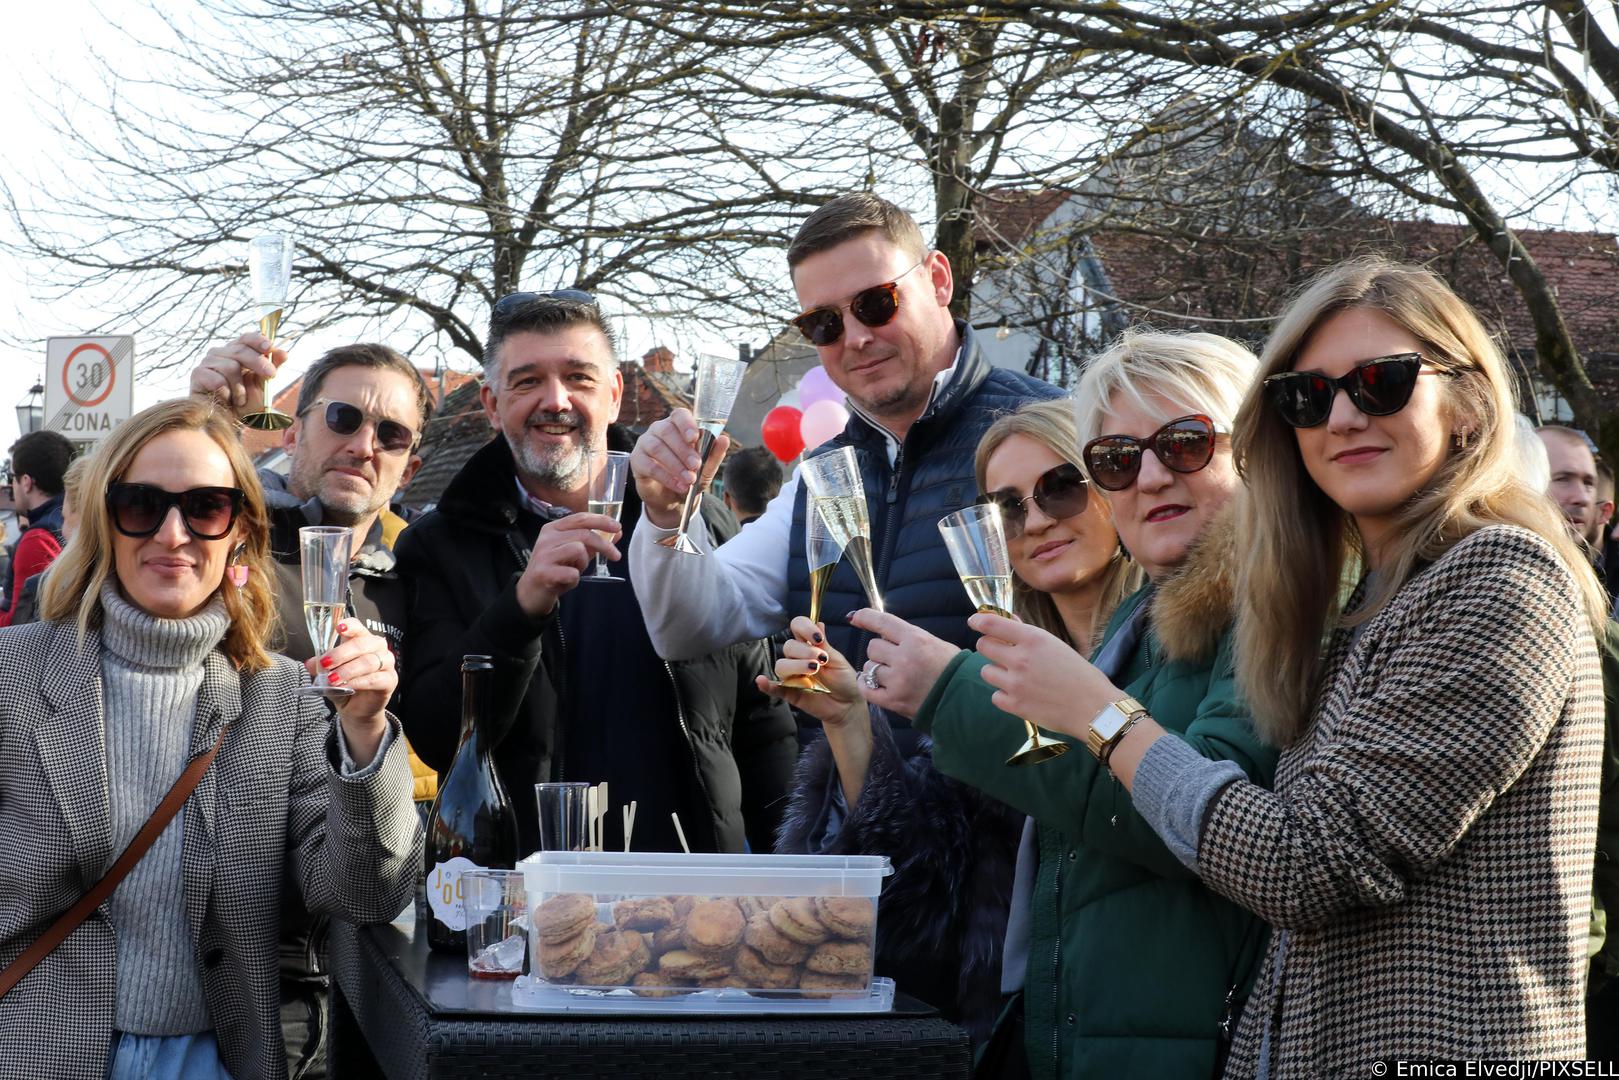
pixel 1127 965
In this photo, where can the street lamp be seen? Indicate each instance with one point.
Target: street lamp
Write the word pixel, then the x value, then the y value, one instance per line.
pixel 31 410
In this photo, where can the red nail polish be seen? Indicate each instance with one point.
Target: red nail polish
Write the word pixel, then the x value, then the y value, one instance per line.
pixel 326 661
pixel 342 628
pixel 333 680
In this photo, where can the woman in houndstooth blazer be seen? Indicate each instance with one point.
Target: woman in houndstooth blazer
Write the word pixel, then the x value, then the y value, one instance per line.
pixel 147 651
pixel 1425 857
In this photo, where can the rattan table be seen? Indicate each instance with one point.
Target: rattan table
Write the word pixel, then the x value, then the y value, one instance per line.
pixel 400 1011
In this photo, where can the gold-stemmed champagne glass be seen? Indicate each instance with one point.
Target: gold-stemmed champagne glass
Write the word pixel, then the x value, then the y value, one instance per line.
pixel 823 552
pixel 269 267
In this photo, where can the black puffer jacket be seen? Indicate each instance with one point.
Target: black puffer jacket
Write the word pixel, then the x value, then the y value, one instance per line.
pixel 580 694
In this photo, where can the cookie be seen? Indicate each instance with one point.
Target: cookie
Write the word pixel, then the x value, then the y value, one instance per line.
pixel 655 984
pixel 752 905
pixel 616 959
pixel 795 918
pixel 714 928
pixel 730 981
pixel 683 905
pixel 652 913
pixel 846 916
pixel 563 916
pixel 814 984
pixel 839 958
pixel 771 944
pixel 559 959
pixel 681 964
pixel 755 970
pixel 670 937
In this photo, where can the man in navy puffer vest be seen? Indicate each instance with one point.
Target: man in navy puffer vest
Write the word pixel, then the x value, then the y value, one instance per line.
pixel 921 394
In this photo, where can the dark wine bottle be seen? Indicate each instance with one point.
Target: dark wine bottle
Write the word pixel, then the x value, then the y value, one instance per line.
pixel 471 825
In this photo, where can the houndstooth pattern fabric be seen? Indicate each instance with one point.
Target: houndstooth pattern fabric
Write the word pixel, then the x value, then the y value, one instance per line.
pixel 1428 844
pixel 270 810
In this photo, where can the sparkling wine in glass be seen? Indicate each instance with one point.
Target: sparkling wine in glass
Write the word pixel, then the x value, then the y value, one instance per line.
pixel 718 380
pixel 609 470
pixel 976 540
pixel 324 559
pixel 269 267
pixel 823 552
pixel 838 495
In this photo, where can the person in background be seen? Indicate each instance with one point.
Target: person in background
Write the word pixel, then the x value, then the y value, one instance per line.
pixel 1576 485
pixel 1425 858
pixel 38 462
pixel 579 692
pixel 26 609
pixel 752 478
pixel 352 445
pixel 148 655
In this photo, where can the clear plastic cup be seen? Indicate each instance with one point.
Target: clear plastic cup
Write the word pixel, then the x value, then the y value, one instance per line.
pixel 497 923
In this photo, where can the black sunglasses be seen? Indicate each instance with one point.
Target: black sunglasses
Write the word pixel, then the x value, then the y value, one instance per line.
pixel 1379 387
pixel 345 419
pixel 1060 493
pixel 1185 444
pixel 139 510
pixel 874 307
pixel 512 301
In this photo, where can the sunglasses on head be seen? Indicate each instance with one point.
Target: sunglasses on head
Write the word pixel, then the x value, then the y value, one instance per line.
pixel 512 301
pixel 345 419
pixel 139 510
pixel 1185 444
pixel 1378 387
pixel 874 307
pixel 1060 493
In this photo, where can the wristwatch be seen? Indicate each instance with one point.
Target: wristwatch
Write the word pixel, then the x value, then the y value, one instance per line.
pixel 1110 726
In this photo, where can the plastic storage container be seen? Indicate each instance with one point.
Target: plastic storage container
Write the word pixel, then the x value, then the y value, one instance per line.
pixel 778 928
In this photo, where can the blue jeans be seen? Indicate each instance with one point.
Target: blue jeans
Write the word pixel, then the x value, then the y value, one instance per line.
pixel 165 1057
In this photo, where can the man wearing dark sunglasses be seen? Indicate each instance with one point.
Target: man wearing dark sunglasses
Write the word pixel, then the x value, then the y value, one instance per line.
pixel 351 448
pixel 875 303
pixel 579 694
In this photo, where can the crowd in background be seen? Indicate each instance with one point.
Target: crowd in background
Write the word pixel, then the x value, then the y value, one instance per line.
pixel 1324 628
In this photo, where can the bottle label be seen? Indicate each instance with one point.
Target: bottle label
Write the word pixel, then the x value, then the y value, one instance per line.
pixel 444 891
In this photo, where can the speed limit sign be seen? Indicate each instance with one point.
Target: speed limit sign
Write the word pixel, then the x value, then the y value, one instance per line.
pixel 89 385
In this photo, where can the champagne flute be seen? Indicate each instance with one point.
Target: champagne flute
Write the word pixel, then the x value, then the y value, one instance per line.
pixel 823 551
pixel 324 558
pixel 838 495
pixel 976 540
pixel 608 471
pixel 718 380
pixel 269 266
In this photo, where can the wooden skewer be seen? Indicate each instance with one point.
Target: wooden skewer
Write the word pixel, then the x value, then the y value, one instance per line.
pixel 681 833
pixel 629 823
pixel 602 808
pixel 590 819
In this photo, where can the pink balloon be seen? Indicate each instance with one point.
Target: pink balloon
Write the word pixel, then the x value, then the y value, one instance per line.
pixel 817 385
pixel 822 421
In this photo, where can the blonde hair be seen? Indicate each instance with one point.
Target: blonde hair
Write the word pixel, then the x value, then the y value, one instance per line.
pixel 1202 372
pixel 72 590
pixel 1051 424
pixel 1301 547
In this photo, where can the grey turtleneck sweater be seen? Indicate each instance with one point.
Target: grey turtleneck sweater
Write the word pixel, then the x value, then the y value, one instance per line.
pixel 151 671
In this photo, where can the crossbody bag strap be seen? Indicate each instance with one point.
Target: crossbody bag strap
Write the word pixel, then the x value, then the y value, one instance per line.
pixel 69 920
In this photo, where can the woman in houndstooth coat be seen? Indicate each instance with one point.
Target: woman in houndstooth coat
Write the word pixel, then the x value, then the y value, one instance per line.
pixel 149 649
pixel 1417 631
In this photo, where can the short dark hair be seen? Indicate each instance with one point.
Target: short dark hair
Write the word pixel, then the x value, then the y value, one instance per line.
pixel 1604 481
pixel 366 355
pixel 849 216
pixel 43 456
pixel 543 314
pixel 752 479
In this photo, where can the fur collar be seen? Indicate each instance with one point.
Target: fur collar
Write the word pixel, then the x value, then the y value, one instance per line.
pixel 1194 607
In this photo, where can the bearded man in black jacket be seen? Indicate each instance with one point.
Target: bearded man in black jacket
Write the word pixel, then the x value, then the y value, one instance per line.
pixel 497 568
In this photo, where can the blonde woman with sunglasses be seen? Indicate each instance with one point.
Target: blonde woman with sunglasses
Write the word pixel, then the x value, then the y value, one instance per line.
pixel 1426 856
pixel 1119 961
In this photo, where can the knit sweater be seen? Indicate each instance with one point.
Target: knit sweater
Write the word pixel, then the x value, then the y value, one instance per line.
pixel 151 670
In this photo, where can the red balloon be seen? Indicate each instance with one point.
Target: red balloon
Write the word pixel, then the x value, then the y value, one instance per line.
pixel 780 431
